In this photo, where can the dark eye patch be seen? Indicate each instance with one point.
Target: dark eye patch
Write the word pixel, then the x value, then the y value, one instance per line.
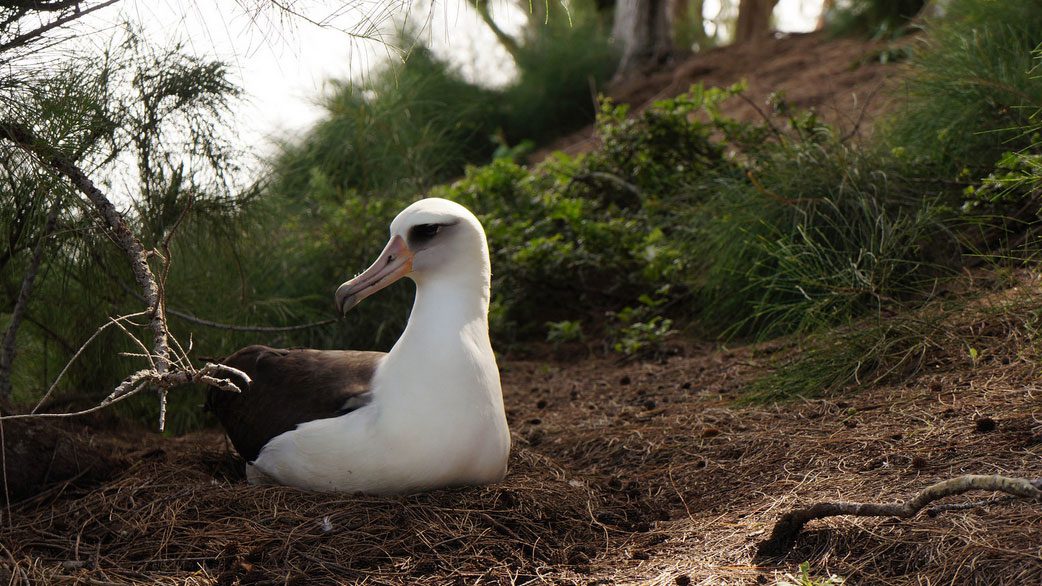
pixel 423 233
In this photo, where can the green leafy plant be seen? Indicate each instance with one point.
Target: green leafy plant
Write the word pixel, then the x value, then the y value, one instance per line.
pixel 565 331
pixel 640 331
pixel 805 579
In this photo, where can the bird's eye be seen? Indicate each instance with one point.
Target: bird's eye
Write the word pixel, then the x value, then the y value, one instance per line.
pixel 423 232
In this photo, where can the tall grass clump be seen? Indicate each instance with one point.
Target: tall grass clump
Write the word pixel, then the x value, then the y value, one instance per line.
pixel 406 127
pixel 972 88
pixel 814 233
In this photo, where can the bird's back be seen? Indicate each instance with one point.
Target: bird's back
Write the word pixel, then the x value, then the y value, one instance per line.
pixel 289 387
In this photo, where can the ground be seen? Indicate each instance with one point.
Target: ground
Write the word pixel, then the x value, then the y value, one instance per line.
pixel 640 472
pixel 632 472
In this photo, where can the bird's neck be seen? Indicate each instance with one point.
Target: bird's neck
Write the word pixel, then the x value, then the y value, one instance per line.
pixel 446 337
pixel 448 306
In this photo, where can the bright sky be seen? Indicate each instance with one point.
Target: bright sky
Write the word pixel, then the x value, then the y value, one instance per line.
pixel 283 65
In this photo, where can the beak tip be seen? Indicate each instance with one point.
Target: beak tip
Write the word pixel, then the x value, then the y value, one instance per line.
pixel 345 303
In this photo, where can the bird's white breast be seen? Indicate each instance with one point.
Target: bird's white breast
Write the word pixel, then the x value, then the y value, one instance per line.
pixel 436 420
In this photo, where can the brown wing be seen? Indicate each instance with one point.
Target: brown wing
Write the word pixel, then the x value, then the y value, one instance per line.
pixel 289 387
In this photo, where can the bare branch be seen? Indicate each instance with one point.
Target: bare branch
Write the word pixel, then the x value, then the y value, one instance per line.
pixel 217 375
pixel 508 42
pixel 118 229
pixel 783 536
pixel 26 38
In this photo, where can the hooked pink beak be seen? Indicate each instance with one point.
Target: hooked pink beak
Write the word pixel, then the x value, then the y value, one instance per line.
pixel 394 263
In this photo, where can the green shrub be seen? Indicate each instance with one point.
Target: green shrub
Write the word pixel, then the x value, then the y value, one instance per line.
pixel 561 68
pixel 972 89
pixel 405 128
pixel 873 18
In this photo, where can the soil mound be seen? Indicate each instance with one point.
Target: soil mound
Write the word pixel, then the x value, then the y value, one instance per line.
pixel 842 80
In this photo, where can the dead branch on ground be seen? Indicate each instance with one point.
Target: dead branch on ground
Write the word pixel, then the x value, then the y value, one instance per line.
pixel 786 529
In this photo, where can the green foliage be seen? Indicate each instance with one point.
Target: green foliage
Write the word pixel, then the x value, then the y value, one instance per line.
pixel 561 67
pixel 414 123
pixel 560 332
pixel 641 330
pixel 972 91
pixel 814 233
pixel 873 18
pixel 407 127
pixel 576 238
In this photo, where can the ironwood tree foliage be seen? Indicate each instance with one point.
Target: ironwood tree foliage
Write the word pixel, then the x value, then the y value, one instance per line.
pixel 146 123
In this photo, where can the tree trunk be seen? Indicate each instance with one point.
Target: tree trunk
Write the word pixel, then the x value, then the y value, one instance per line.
pixel 826 7
pixel 9 349
pixel 642 31
pixel 689 27
pixel 754 19
pixel 508 42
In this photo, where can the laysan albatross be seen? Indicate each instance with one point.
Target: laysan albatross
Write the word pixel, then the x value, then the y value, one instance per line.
pixel 427 414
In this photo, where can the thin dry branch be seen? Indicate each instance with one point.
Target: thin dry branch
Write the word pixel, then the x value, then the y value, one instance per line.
pixel 217 375
pixel 26 38
pixel 783 536
pixel 160 375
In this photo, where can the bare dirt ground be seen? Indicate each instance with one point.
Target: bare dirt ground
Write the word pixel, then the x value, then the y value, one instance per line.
pixel 647 472
pixel 847 82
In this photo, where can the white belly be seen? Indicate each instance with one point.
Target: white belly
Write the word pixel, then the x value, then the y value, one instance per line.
pixel 354 453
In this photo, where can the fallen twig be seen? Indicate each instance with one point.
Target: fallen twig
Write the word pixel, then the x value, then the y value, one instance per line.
pixel 783 536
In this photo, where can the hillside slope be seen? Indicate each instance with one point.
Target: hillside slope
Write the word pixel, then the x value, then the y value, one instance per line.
pixel 842 80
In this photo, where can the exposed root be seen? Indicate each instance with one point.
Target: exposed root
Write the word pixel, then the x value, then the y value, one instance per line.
pixel 783 536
